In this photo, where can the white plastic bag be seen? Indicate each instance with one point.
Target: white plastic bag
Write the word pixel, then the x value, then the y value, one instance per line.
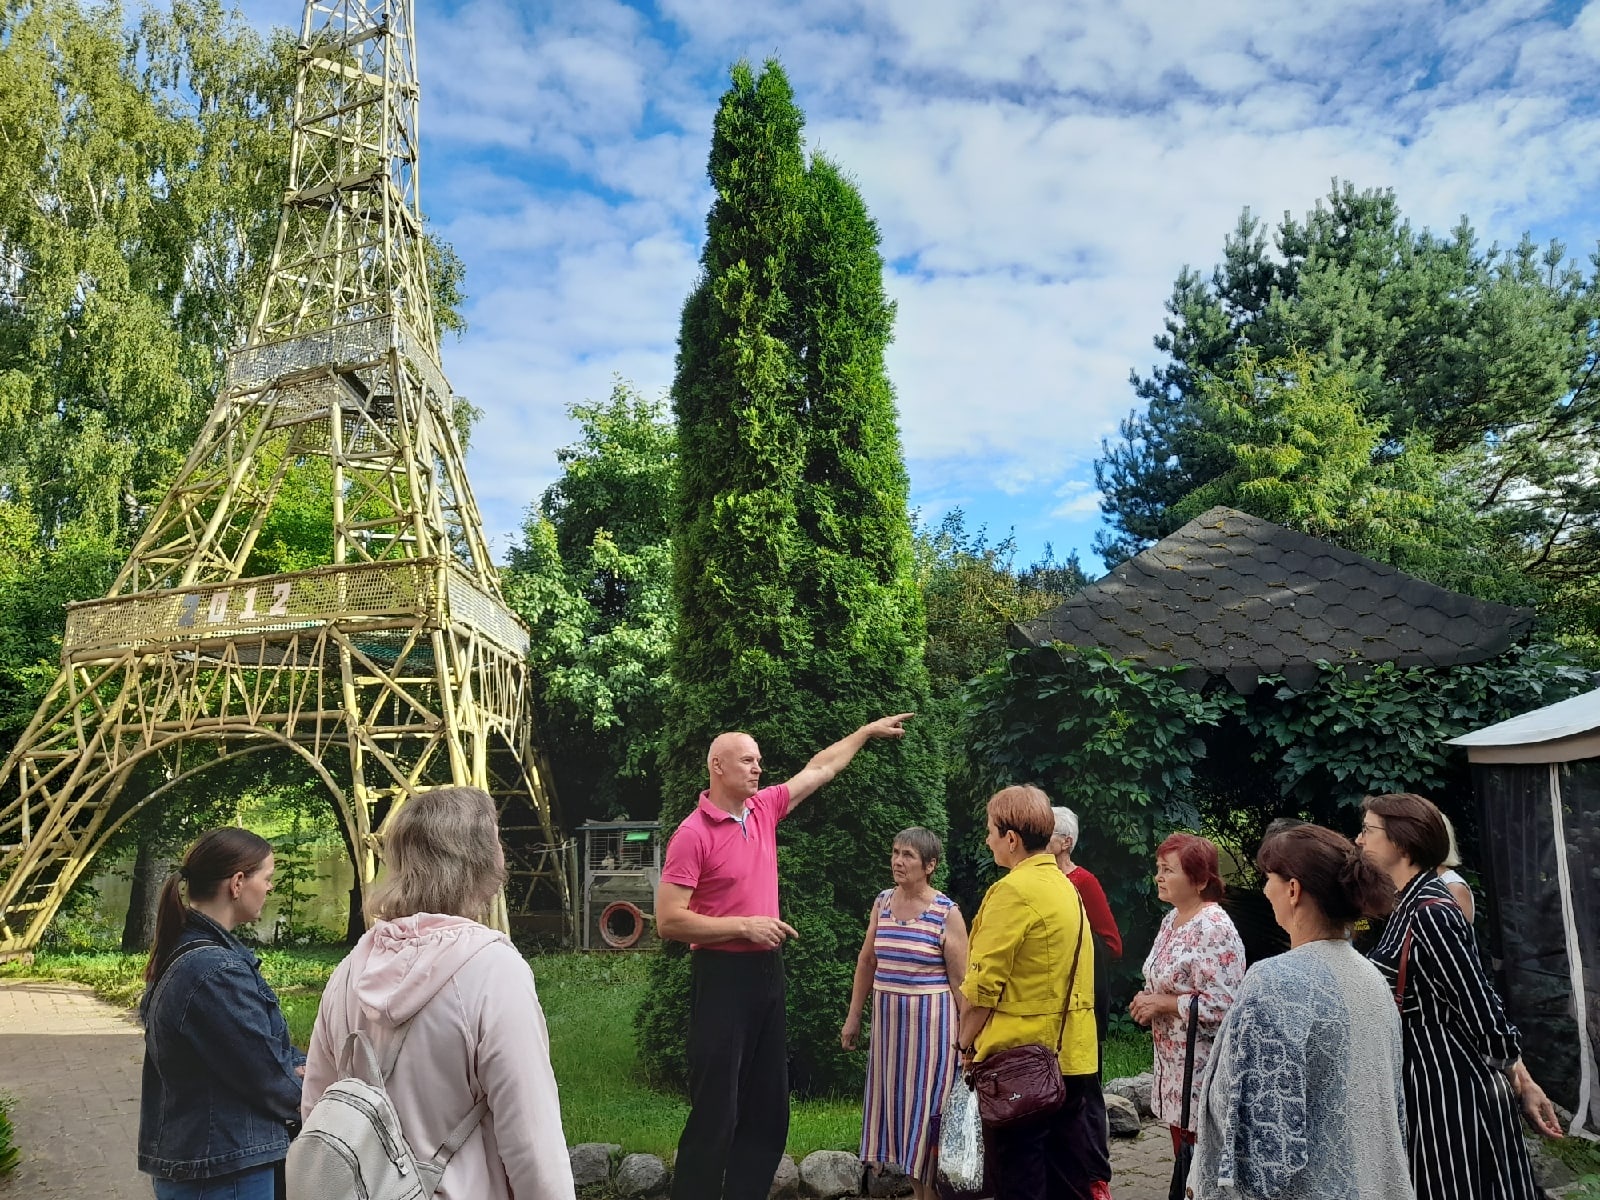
pixel 961 1141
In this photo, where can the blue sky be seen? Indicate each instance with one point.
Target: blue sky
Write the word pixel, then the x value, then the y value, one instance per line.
pixel 1040 173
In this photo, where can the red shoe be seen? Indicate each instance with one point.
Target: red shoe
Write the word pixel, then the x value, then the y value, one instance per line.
pixel 1100 1190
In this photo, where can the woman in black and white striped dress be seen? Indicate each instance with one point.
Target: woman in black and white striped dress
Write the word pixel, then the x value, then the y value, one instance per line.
pixel 1464 1077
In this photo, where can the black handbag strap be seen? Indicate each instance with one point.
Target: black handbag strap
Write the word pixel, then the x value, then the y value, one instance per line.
pixel 1188 1060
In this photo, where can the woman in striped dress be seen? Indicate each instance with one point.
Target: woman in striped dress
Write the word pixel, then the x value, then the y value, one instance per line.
pixel 913 959
pixel 1463 1072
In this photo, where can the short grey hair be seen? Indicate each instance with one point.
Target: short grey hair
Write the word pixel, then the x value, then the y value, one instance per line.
pixel 441 855
pixel 1066 824
pixel 924 841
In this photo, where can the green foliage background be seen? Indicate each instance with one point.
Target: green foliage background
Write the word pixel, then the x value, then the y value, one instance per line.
pixel 10 1153
pixel 592 576
pixel 1138 753
pixel 798 617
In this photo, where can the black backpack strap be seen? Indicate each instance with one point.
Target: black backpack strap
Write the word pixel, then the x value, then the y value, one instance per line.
pixel 1188 1059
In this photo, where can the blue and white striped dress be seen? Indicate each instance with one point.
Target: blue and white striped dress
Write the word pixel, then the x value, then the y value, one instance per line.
pixel 912 1058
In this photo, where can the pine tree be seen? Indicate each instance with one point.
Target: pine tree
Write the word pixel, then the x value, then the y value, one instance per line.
pixel 798 613
pixel 1478 361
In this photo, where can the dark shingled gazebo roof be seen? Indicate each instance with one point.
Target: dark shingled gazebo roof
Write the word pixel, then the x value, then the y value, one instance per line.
pixel 1240 597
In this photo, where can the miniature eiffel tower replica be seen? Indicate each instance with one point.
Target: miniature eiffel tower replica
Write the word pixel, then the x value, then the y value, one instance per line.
pixel 395 666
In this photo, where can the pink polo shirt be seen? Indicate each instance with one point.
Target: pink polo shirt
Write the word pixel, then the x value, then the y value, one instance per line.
pixel 732 867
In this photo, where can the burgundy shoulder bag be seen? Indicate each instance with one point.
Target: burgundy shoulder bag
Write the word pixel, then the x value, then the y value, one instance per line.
pixel 1025 1081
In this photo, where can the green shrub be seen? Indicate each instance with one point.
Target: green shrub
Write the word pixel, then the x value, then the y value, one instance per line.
pixel 1138 752
pixel 9 1154
pixel 79 927
pixel 1580 1156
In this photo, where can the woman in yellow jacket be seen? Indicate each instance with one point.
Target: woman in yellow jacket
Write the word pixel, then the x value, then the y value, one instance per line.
pixel 1024 939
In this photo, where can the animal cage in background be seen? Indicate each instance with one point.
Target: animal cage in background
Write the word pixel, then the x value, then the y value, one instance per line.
pixel 621 868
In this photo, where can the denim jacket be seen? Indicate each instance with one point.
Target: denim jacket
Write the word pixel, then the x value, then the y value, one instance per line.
pixel 219 1082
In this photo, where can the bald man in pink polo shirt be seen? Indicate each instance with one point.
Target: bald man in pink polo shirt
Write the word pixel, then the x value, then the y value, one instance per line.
pixel 719 893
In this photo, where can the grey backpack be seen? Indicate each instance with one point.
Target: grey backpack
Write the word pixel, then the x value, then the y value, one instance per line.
pixel 352 1147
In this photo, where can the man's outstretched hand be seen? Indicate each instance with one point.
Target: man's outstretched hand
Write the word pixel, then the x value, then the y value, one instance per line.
pixel 828 762
pixel 889 727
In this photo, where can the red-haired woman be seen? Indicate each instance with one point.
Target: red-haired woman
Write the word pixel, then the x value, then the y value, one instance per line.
pixel 1191 974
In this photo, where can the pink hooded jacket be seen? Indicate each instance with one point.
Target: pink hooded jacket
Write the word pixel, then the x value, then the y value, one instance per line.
pixel 476 1030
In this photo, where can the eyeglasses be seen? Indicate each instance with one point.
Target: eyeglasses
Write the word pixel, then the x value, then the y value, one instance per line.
pixel 1368 828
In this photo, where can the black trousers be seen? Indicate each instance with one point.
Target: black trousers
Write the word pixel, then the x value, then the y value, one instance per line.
pixel 1097 1132
pixel 1052 1157
pixel 738 1078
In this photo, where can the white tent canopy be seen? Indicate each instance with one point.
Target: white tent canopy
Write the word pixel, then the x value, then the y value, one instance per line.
pixel 1563 732
pixel 1565 737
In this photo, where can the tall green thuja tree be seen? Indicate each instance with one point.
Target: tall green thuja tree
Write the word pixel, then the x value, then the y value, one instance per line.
pixel 739 458
pixel 856 585
pixel 798 616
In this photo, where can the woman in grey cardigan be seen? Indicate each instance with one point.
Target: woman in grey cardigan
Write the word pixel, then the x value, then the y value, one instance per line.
pixel 1303 1095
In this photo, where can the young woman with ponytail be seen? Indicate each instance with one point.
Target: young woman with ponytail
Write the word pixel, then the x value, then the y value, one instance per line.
pixel 1304 1093
pixel 221 1078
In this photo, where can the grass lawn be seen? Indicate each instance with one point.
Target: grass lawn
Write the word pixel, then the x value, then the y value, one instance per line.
pixel 589 1002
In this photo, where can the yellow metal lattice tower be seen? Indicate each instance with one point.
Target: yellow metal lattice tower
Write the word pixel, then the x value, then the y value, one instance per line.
pixel 394 667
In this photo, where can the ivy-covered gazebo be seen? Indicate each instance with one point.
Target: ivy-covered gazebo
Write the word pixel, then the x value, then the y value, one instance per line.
pixel 1233 597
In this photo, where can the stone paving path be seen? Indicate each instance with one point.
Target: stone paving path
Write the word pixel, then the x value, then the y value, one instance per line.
pixel 72 1063
pixel 1141 1167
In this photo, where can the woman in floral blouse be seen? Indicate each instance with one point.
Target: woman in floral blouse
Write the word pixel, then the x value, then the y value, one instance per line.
pixel 1192 972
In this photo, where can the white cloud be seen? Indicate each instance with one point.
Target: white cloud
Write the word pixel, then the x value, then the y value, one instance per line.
pixel 1040 172
pixel 1078 498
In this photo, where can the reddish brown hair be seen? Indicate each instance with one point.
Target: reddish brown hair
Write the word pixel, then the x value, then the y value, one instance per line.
pixel 1414 824
pixel 1337 876
pixel 1025 810
pixel 1198 858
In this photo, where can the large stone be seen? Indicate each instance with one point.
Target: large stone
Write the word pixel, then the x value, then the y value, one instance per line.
pixel 1549 1172
pixel 1136 1088
pixel 828 1174
pixel 886 1179
pixel 1122 1115
pixel 785 1181
pixel 641 1175
pixel 591 1162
